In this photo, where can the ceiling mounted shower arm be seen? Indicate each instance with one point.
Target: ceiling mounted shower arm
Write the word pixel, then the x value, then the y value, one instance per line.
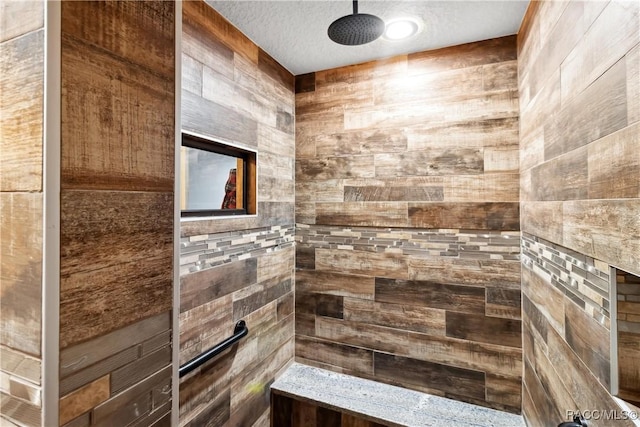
pixel 355 7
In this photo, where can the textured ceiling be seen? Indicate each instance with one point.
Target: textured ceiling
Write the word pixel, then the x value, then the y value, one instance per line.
pixel 295 32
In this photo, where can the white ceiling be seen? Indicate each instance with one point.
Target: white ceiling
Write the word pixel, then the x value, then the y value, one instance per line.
pixel 295 32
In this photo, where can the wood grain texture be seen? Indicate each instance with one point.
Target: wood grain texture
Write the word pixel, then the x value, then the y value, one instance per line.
pixel 480 53
pixel 19 18
pixel 22 105
pixel 103 155
pixel 144 31
pixel 484 329
pixel 21 271
pixel 592 114
pixel 466 299
pixel 453 381
pixel 246 98
pixel 467 215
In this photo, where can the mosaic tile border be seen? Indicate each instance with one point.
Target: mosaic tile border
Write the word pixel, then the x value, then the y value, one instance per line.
pixel 209 250
pixel 583 279
pixel 471 244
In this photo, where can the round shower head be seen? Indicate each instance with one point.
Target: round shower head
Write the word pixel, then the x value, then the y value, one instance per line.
pixel 356 29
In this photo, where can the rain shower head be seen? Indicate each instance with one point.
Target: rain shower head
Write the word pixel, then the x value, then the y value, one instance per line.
pixel 356 29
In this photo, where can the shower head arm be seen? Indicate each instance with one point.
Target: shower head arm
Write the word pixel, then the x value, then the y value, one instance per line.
pixel 355 7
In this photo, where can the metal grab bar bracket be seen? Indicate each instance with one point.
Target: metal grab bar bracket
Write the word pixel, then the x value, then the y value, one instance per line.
pixel 239 331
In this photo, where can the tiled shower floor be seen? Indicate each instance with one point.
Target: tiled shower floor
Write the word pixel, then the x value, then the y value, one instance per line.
pixel 385 403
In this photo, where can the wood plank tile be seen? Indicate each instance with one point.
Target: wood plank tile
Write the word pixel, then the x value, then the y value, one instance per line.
pixel 589 340
pixel 372 214
pixel 392 194
pixel 456 381
pixel 504 391
pixel 206 285
pixel 355 359
pixel 466 299
pixel 336 283
pixel 484 216
pixel 277 264
pixel 497 133
pixel 84 399
pixel 390 265
pixel 429 162
pixel 305 83
pixel 584 65
pixel 335 167
pixel 142 368
pixel 205 117
pixel 603 106
pixel 488 187
pixel 103 229
pixel 21 102
pixel 216 413
pixel 208 20
pixel 105 156
pixel 399 316
pixel 467 55
pixel 481 328
pixel 365 141
pixel 497 273
pixel 206 49
pixel 87 353
pixel 563 178
pixel 362 72
pixel 20 17
pixel 191 75
pixel 614 165
pixel 503 303
pixel 263 295
pixel 86 295
pixel 587 229
pixel 431 86
pixel 478 356
pixel 545 298
pixel 21 266
pixel 276 71
pixel 204 326
pixel 543 219
pixel 145 31
pixel 493 105
pixel 577 378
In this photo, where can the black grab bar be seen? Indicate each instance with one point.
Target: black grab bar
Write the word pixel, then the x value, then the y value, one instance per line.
pixel 239 331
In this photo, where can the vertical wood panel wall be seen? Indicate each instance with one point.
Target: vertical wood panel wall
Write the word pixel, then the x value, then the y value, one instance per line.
pixel 407 213
pixel 117 174
pixel 21 140
pixel 237 268
pixel 579 84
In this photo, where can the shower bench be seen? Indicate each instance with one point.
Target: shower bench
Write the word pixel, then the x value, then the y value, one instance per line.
pixel 305 396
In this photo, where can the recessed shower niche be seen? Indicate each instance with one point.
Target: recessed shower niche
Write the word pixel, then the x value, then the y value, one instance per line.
pixel 627 336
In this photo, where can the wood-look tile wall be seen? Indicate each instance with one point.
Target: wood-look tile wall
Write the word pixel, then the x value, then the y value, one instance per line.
pixel 387 304
pixel 117 178
pixel 237 268
pixel 578 68
pixel 427 145
pixel 21 142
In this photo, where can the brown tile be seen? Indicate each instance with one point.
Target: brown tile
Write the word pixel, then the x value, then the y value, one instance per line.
pixel 84 399
pixel 420 293
pixel 449 379
pixel 480 328
pixel 484 216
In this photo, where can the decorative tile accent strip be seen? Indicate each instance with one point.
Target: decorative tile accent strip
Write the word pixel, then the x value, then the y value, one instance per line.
pixel 583 279
pixel 209 250
pixel 473 244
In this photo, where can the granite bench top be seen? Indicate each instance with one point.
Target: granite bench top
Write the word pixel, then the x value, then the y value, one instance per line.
pixel 383 403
